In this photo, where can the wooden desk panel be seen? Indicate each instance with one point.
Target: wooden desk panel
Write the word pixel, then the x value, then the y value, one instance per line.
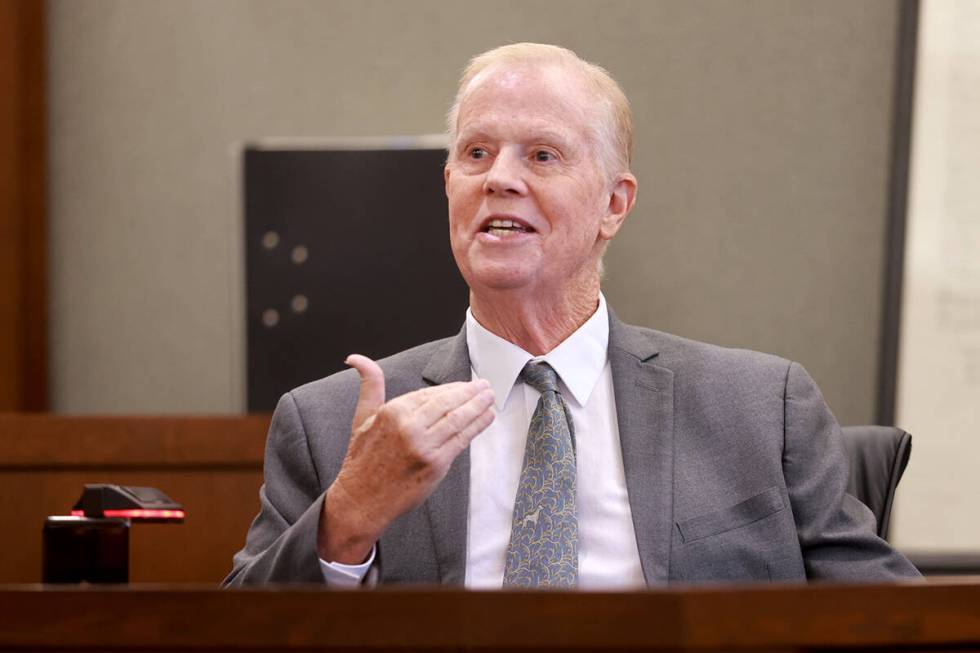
pixel 213 465
pixel 909 617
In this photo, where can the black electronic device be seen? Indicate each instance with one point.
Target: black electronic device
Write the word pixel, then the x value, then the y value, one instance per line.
pixel 92 545
pixel 143 504
pixel 82 549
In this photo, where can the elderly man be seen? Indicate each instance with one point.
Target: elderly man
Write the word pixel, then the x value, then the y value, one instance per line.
pixel 549 444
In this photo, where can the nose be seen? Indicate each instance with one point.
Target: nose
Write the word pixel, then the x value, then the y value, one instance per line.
pixel 506 175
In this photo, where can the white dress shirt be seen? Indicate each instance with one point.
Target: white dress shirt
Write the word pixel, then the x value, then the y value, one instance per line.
pixel 608 555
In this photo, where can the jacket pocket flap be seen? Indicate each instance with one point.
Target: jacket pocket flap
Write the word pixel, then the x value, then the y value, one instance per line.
pixel 752 509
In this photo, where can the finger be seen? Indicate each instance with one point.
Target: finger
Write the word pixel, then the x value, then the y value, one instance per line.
pixel 458 419
pixel 455 444
pixel 413 400
pixel 372 392
pixel 450 398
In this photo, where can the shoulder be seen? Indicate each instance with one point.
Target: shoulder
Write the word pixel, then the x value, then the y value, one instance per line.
pixel 674 351
pixel 696 364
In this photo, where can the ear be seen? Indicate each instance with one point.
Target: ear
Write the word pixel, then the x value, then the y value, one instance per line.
pixel 445 176
pixel 622 196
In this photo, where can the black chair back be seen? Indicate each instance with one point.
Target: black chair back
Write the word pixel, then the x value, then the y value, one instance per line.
pixel 877 456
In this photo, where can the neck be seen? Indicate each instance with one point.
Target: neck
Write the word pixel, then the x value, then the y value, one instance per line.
pixel 537 326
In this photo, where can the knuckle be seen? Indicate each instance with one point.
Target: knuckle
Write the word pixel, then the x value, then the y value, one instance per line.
pixel 441 402
pixel 413 427
pixel 419 457
pixel 456 419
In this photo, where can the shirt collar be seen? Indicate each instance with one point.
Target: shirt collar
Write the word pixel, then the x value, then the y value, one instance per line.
pixel 578 360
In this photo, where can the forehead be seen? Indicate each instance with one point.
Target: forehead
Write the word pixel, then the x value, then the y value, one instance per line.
pixel 544 98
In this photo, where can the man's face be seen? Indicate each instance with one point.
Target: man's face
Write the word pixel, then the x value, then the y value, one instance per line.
pixel 529 204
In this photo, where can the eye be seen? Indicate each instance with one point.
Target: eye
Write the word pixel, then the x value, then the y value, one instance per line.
pixel 543 156
pixel 477 153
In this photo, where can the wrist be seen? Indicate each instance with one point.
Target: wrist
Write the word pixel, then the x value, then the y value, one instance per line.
pixel 345 534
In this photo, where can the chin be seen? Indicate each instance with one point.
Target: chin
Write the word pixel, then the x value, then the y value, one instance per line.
pixel 499 277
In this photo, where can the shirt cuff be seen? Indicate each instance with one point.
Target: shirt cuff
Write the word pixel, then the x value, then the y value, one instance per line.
pixel 337 574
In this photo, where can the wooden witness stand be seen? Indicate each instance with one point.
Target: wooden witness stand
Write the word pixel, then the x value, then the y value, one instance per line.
pixel 909 617
pixel 213 466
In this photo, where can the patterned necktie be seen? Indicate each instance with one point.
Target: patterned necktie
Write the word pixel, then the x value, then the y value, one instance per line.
pixel 543 550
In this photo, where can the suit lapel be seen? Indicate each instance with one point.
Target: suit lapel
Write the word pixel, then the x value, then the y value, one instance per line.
pixel 448 505
pixel 644 408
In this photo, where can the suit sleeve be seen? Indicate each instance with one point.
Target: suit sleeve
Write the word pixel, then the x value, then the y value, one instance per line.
pixel 836 531
pixel 281 543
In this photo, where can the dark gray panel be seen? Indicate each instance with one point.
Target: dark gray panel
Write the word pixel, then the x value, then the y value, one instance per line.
pixel 378 276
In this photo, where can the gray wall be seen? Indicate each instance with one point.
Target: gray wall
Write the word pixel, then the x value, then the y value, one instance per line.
pixel 762 139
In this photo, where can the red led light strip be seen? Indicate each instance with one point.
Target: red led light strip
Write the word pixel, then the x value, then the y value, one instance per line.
pixel 137 513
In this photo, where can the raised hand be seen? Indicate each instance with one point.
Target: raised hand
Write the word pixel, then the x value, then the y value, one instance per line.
pixel 399 452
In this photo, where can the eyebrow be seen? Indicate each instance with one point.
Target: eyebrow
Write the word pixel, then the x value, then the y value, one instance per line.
pixel 550 135
pixel 544 135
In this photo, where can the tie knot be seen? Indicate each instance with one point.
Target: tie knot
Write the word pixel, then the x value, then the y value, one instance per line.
pixel 540 376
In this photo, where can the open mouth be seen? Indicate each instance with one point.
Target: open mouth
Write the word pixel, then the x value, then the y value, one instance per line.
pixel 505 227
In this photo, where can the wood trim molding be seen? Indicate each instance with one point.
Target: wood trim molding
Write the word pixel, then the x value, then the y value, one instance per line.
pixel 56 442
pixel 829 617
pixel 23 222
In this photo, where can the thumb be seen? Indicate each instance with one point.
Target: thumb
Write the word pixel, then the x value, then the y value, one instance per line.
pixel 372 394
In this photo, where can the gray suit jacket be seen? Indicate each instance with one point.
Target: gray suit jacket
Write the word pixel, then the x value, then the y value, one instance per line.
pixel 734 467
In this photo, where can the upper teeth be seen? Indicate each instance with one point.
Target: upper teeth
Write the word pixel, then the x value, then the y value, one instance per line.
pixel 502 224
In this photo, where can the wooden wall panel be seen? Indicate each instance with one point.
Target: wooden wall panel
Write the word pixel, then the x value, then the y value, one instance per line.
pixel 822 617
pixel 212 465
pixel 23 230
